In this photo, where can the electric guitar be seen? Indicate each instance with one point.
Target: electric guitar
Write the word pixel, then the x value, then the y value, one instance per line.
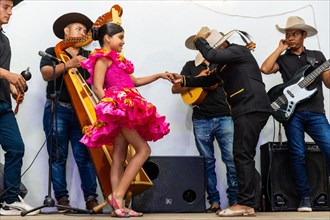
pixel 195 96
pixel 286 96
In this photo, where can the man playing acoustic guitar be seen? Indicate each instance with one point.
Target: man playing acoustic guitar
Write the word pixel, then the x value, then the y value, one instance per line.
pixel 309 115
pixel 211 120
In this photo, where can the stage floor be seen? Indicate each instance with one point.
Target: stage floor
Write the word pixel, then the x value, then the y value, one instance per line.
pixel 316 215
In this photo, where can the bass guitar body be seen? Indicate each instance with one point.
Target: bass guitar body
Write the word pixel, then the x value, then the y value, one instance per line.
pixel 285 97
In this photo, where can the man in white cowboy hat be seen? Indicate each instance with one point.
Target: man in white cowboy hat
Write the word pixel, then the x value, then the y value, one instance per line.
pixel 250 109
pixel 309 115
pixel 66 125
pixel 10 136
pixel 211 120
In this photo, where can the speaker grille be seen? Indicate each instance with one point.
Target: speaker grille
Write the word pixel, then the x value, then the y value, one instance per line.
pixel 278 187
pixel 178 185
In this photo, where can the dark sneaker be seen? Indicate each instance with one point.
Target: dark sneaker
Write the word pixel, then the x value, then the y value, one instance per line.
pixel 305 205
pixel 91 202
pixel 63 201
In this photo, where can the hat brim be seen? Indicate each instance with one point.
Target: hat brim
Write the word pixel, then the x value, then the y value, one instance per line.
pixel 215 39
pixel 69 18
pixel 16 2
pixel 309 29
pixel 189 43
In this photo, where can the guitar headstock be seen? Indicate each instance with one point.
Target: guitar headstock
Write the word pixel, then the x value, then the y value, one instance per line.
pixel 115 11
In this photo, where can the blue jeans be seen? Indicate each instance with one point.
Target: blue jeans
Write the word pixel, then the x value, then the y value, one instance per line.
pixel 12 143
pixel 221 129
pixel 318 128
pixel 68 129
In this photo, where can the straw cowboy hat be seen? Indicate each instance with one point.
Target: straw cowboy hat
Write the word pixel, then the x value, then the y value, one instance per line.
pixel 295 22
pixel 215 39
pixel 69 18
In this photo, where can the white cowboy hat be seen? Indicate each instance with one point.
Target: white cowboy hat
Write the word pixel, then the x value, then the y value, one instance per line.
pixel 190 40
pixel 215 39
pixel 295 22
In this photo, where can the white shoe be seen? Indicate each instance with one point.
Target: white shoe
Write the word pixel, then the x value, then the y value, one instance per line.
pixel 16 208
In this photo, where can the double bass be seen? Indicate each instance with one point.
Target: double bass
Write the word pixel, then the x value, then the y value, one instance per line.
pixel 84 100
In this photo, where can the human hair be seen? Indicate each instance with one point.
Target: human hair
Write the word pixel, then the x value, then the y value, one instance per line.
pixel 108 28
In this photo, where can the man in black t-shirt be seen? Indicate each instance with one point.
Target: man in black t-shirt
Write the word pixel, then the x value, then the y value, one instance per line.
pixel 211 120
pixel 309 115
pixel 10 136
pixel 65 127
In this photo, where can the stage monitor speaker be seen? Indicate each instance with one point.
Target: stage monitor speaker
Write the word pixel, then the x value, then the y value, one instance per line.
pixel 22 189
pixel 278 187
pixel 178 185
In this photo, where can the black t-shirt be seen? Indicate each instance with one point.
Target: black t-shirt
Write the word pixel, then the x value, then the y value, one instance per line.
pixel 5 56
pixel 290 63
pixel 214 104
pixel 60 84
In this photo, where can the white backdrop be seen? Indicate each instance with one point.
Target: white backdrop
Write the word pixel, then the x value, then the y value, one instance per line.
pixel 155 32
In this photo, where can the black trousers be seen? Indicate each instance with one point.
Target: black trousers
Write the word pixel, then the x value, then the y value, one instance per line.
pixel 247 129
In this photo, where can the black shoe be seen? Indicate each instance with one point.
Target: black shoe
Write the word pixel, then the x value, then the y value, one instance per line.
pixel 305 205
pixel 63 201
pixel 91 202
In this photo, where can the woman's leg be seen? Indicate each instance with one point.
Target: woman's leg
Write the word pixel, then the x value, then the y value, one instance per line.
pixel 142 153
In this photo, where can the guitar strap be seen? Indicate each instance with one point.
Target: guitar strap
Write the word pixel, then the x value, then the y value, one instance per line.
pixel 311 58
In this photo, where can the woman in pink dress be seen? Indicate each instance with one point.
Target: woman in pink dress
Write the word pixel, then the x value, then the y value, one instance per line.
pixel 123 115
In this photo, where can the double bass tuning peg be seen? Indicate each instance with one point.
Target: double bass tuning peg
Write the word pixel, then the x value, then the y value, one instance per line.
pixel 27 76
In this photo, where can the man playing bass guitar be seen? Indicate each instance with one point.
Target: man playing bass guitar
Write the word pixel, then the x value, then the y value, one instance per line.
pixel 309 115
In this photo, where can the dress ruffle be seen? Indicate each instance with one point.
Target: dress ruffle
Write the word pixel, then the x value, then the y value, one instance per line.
pixel 124 109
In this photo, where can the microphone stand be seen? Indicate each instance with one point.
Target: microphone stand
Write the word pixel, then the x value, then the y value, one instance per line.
pixel 49 201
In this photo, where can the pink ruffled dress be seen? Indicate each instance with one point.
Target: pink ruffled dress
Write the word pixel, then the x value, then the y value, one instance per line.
pixel 122 106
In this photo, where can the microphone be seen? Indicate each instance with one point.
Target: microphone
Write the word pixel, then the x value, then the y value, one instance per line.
pixel 44 54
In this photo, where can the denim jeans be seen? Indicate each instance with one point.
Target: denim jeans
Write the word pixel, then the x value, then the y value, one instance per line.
pixel 206 131
pixel 318 128
pixel 68 130
pixel 12 143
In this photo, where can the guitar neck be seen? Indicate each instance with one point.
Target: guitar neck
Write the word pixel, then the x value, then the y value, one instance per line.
pixel 312 76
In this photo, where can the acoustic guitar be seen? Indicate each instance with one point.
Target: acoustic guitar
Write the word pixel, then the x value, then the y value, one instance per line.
pixel 195 96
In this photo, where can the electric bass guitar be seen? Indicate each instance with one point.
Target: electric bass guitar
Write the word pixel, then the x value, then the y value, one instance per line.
pixel 195 96
pixel 285 97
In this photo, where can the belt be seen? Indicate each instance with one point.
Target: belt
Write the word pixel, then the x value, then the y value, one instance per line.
pixel 63 104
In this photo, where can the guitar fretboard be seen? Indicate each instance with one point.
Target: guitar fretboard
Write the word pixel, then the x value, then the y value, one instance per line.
pixel 312 76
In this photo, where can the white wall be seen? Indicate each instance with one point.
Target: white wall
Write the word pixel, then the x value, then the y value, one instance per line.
pixel 155 35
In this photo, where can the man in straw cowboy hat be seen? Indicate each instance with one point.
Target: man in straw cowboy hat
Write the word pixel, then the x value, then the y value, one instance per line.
pixel 309 116
pixel 212 120
pixel 250 108
pixel 67 26
pixel 10 136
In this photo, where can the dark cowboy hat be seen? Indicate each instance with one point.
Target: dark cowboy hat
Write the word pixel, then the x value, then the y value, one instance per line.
pixel 16 2
pixel 70 18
